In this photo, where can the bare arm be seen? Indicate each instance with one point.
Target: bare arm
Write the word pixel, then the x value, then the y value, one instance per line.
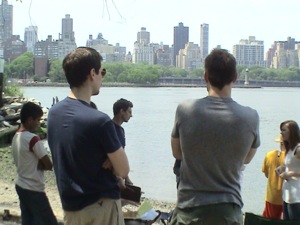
pixel 176 149
pixel 250 156
pixel 45 163
pixel 290 174
pixel 119 163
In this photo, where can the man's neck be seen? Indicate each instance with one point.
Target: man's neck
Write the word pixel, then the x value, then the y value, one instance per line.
pixel 224 93
pixel 117 120
pixel 81 94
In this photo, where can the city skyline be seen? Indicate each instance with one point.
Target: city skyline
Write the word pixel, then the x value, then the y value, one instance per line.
pixel 120 20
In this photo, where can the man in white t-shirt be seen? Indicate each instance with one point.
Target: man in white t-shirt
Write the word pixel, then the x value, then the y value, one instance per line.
pixel 31 159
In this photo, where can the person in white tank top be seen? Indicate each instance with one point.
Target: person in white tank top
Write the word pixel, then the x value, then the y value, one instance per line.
pixel 291 171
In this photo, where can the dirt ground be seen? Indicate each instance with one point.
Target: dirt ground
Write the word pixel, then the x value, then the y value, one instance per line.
pixel 9 199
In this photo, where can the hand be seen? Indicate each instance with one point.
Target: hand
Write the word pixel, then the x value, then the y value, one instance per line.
pixel 40 165
pixel 128 181
pixel 279 170
pixel 107 165
pixel 121 183
pixel 285 175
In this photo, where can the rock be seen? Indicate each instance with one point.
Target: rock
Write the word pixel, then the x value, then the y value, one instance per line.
pixel 10 117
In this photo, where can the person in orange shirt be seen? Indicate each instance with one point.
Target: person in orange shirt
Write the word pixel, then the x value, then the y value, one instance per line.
pixel 273 200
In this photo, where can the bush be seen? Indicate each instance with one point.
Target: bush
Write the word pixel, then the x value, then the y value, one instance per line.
pixel 13 90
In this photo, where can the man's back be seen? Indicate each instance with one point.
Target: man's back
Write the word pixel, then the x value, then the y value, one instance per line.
pixel 215 136
pixel 79 139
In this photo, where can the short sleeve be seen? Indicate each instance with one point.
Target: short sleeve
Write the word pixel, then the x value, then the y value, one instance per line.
pixel 37 146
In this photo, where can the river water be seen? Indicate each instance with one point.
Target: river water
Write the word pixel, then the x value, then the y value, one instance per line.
pixel 148 131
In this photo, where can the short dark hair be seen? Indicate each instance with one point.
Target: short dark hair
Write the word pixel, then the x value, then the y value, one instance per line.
pixel 78 64
pixel 121 104
pixel 30 109
pixel 294 135
pixel 220 66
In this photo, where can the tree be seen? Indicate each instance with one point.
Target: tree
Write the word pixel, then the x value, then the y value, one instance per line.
pixel 56 73
pixel 197 73
pixel 22 66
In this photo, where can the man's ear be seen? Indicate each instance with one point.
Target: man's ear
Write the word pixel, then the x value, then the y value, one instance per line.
pixel 205 77
pixel 92 74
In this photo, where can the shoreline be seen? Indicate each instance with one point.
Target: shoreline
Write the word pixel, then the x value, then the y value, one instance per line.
pixel 176 83
pixel 9 198
pixel 52 84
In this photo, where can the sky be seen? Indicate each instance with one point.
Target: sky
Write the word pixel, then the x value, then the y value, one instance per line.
pixel 120 20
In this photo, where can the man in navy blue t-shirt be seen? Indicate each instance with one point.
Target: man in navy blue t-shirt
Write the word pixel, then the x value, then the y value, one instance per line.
pixel 82 140
pixel 122 113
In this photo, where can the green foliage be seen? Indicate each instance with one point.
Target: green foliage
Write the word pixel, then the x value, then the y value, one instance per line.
pixel 56 73
pixel 21 67
pixel 12 90
pixel 131 73
pixel 197 73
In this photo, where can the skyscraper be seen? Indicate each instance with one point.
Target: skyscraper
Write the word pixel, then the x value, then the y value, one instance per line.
pixel 67 32
pixel 249 52
pixel 66 42
pixel 204 34
pixel 143 51
pixel 181 37
pixel 6 21
pixel 30 37
pixel 143 36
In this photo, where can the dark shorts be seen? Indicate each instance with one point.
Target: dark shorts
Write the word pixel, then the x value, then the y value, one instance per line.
pixel 291 211
pixel 225 214
pixel 35 208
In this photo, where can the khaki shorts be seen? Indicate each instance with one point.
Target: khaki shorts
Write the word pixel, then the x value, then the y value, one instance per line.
pixel 218 214
pixel 103 212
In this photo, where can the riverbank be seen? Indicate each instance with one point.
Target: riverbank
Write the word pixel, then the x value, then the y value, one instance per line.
pixel 178 85
pixel 177 82
pixel 9 199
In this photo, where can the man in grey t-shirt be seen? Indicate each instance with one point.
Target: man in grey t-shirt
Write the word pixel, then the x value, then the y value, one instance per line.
pixel 214 137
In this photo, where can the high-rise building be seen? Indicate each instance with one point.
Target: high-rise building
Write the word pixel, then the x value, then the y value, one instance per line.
pixel 66 42
pixel 143 36
pixel 204 35
pixel 163 55
pixel 98 41
pixel 181 37
pixel 143 51
pixel 109 52
pixel 67 32
pixel 189 58
pixel 282 54
pixel 6 21
pixel 30 37
pixel 249 52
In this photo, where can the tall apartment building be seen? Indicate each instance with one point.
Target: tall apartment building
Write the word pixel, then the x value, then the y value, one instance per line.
pixel 43 52
pixel 249 52
pixel 143 51
pixel 204 40
pixel 283 54
pixel 99 40
pixel 189 58
pixel 6 21
pixel 143 36
pixel 66 38
pixel 110 53
pixel 49 49
pixel 163 55
pixel 30 37
pixel 13 48
pixel 180 38
pixel 67 32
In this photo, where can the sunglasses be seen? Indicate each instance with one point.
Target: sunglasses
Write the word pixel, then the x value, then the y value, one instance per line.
pixel 103 72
